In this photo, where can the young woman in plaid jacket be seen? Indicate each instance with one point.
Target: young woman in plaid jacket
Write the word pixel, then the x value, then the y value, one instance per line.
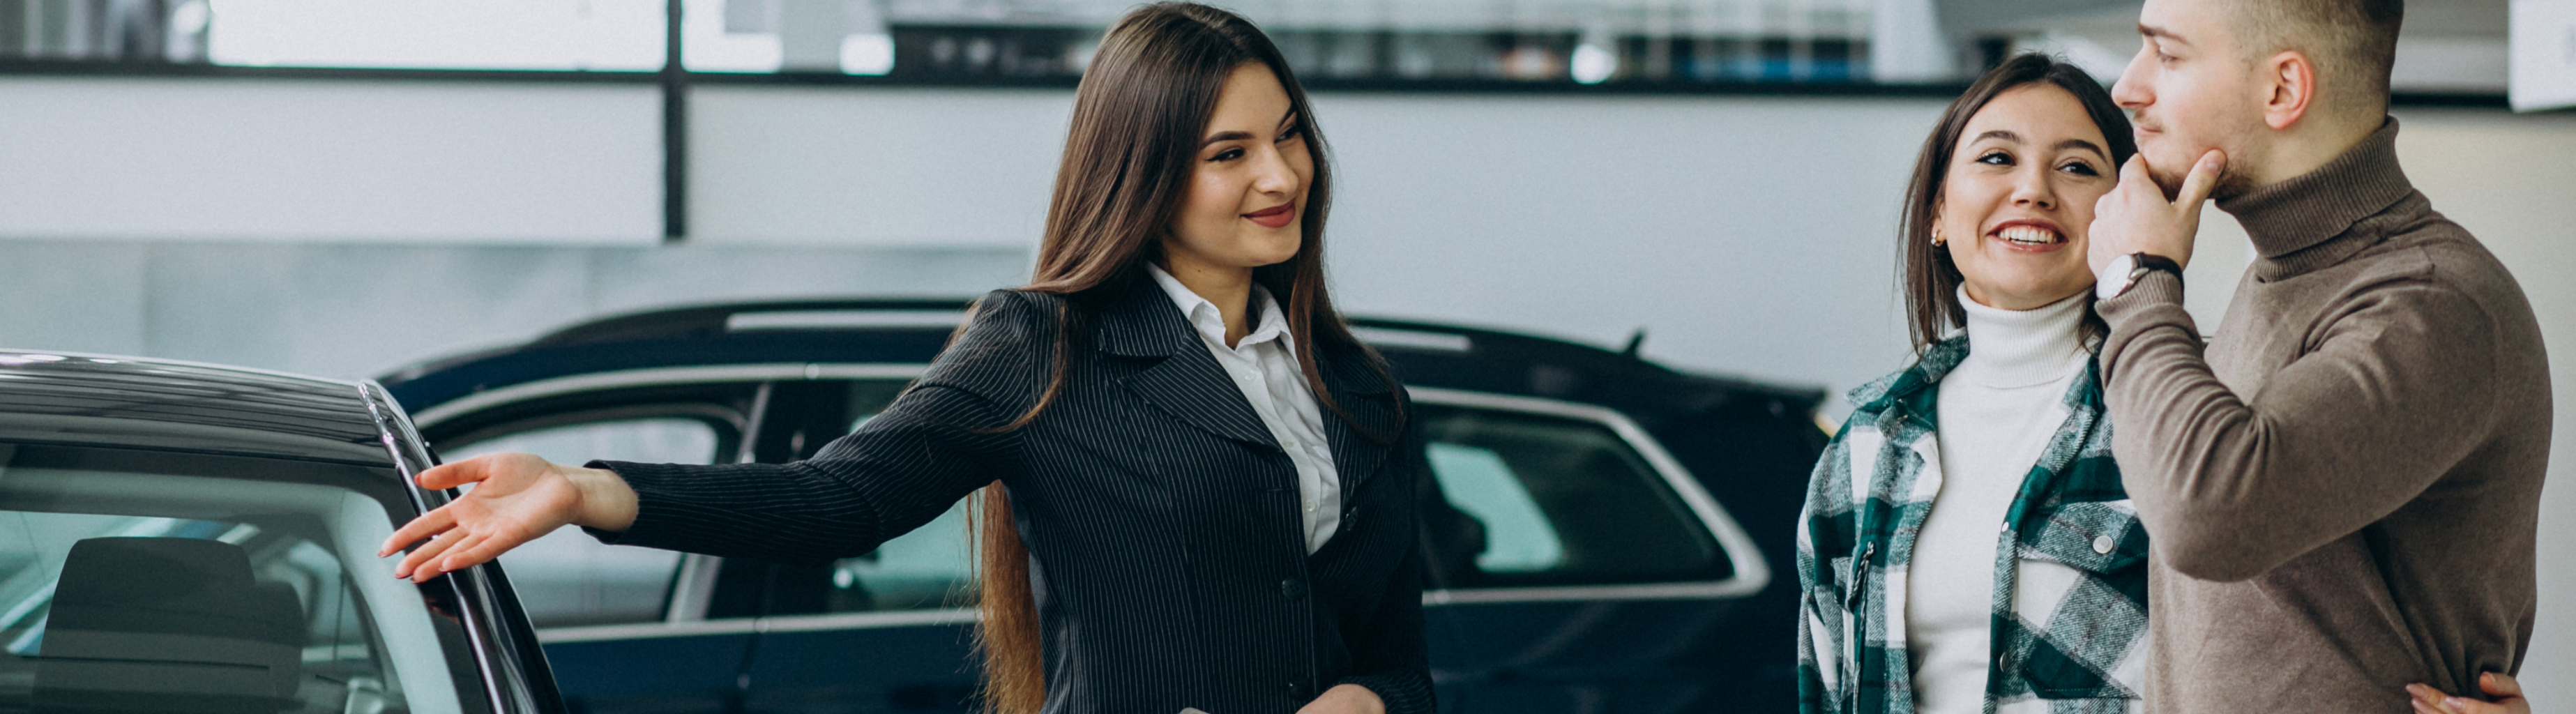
pixel 1966 546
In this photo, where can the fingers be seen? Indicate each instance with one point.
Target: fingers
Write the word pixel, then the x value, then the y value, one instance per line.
pixel 2499 684
pixel 2203 179
pixel 2135 177
pixel 457 557
pixel 2508 695
pixel 449 476
pixel 478 550
pixel 429 524
pixel 413 564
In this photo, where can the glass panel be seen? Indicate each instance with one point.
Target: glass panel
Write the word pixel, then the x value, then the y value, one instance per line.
pixel 929 568
pixel 1518 538
pixel 622 35
pixel 568 578
pixel 923 570
pixel 124 591
pixel 1561 41
pixel 1546 500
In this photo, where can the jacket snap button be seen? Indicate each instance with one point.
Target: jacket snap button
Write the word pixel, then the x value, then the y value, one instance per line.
pixel 2102 545
pixel 1293 588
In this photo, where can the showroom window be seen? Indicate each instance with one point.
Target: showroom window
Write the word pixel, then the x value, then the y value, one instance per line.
pixel 1441 42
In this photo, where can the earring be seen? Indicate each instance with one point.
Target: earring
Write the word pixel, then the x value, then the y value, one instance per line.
pixel 1937 241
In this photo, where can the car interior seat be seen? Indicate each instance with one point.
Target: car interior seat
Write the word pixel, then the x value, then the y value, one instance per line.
pixel 154 625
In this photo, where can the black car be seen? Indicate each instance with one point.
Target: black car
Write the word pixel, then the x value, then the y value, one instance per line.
pixel 178 537
pixel 1628 549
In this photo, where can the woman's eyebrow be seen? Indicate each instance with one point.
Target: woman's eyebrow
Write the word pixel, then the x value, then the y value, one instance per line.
pixel 2004 134
pixel 2083 144
pixel 1291 118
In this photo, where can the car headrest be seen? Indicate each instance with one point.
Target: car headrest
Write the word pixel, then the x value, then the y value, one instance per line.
pixel 167 625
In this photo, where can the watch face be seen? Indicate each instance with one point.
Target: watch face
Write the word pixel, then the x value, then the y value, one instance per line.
pixel 2115 277
pixel 2121 266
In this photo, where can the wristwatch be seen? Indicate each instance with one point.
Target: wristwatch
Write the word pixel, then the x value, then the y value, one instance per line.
pixel 2125 271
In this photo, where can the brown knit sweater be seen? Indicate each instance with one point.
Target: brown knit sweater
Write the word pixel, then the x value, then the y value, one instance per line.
pixel 2342 491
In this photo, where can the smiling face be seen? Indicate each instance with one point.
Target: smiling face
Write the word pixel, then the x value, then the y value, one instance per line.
pixel 1247 196
pixel 2190 89
pixel 2018 194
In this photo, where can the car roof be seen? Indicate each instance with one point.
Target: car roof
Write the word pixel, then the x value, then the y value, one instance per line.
pixel 135 402
pixel 913 330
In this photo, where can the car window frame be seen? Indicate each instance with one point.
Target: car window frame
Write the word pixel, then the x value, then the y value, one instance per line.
pixel 498 632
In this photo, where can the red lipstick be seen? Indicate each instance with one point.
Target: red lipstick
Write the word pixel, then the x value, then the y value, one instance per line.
pixel 1274 216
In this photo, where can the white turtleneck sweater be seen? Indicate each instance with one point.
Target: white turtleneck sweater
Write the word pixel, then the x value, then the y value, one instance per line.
pixel 1997 410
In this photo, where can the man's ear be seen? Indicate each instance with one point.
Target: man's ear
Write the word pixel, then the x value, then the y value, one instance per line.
pixel 2288 82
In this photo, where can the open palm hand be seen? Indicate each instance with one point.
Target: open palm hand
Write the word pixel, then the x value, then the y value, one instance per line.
pixel 516 498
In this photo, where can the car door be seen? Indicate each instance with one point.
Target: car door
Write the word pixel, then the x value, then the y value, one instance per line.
pixel 626 629
pixel 1575 566
pixel 887 631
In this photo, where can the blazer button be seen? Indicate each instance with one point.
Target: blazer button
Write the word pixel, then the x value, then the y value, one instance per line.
pixel 1293 588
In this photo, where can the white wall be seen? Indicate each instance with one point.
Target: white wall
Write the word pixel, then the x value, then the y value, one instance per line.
pixel 190 158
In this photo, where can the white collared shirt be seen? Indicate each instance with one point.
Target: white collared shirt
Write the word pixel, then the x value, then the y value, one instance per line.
pixel 1264 367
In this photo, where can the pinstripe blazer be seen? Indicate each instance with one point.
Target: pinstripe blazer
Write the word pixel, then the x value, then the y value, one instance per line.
pixel 1166 548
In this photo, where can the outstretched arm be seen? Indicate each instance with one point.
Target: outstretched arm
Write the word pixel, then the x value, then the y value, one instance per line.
pixel 938 442
pixel 899 471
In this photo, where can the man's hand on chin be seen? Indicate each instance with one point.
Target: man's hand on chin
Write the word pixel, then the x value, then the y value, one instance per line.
pixel 2136 218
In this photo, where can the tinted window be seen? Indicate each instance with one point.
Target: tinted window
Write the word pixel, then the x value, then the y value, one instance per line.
pixel 921 570
pixel 928 568
pixel 142 581
pixel 1539 499
pixel 568 578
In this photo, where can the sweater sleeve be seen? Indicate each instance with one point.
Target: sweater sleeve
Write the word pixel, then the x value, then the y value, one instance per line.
pixel 941 440
pixel 2386 394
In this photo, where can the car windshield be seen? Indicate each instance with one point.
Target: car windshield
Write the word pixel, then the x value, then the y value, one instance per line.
pixel 159 581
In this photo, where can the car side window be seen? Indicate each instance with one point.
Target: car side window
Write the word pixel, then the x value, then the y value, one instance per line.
pixel 1536 499
pixel 568 578
pixel 927 569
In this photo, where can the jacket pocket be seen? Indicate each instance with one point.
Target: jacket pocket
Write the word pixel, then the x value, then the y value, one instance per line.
pixel 2082 569
pixel 2096 537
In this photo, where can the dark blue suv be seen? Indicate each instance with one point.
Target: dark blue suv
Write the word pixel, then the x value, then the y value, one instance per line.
pixel 1626 549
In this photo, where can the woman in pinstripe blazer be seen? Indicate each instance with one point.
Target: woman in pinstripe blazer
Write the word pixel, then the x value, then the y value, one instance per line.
pixel 1199 488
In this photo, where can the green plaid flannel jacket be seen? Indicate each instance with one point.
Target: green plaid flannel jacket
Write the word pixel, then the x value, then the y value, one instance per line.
pixel 2070 611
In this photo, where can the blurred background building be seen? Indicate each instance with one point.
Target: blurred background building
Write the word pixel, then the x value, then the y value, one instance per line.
pixel 2452 46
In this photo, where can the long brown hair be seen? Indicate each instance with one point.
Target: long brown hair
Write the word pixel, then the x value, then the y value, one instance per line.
pixel 1138 118
pixel 1930 277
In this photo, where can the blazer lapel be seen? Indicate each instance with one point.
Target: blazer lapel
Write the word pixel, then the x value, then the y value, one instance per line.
pixel 1185 382
pixel 1366 398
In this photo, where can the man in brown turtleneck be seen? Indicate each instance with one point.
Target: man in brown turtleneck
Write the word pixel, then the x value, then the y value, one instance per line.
pixel 2342 486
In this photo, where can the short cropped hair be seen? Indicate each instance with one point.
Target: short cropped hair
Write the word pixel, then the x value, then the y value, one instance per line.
pixel 2352 42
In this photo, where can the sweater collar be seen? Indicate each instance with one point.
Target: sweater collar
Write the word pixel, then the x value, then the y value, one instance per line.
pixel 2287 219
pixel 2021 348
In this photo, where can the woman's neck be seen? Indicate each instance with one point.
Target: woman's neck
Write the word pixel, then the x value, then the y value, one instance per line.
pixel 1228 288
pixel 2020 348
